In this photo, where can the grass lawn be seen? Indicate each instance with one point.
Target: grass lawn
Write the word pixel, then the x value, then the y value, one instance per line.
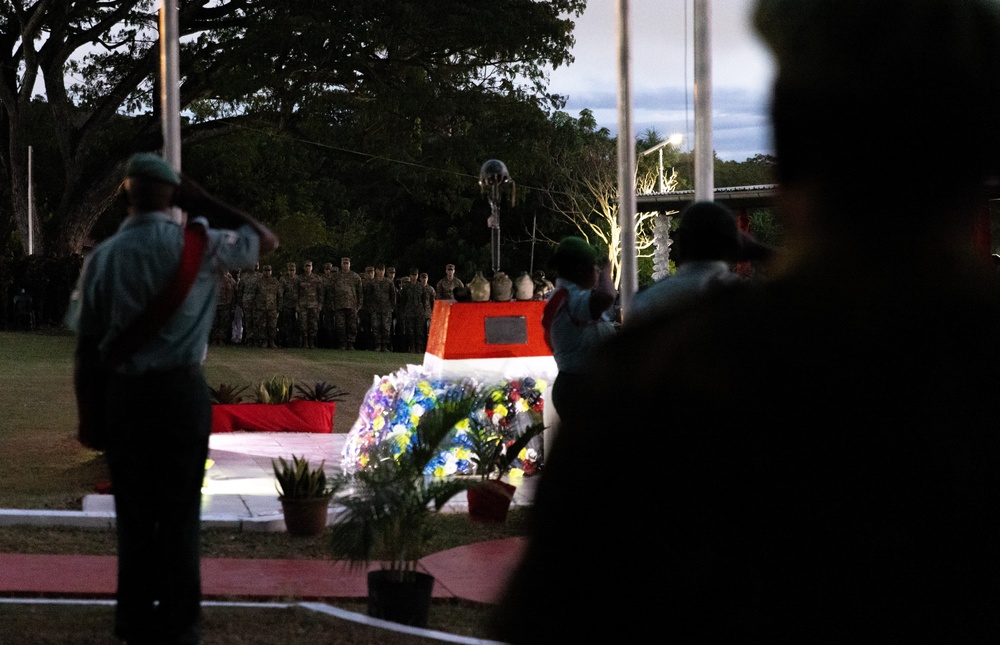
pixel 76 624
pixel 45 468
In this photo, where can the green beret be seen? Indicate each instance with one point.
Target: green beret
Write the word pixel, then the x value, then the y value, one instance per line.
pixel 576 248
pixel 151 166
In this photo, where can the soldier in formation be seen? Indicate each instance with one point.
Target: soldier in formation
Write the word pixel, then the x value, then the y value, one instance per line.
pixel 288 305
pixel 429 296
pixel 413 309
pixel 365 336
pixel 265 308
pixel 222 326
pixel 347 299
pixel 310 298
pixel 327 322
pixel 445 288
pixel 244 295
pixel 380 302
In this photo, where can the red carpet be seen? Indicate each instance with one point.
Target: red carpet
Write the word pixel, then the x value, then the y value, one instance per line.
pixel 468 572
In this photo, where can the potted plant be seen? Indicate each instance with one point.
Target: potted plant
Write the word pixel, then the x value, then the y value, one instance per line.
pixel 321 392
pixel 305 494
pixel 279 405
pixel 275 391
pixel 387 507
pixel 495 452
pixel 226 394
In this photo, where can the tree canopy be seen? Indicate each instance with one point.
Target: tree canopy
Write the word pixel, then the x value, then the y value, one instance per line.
pixel 374 80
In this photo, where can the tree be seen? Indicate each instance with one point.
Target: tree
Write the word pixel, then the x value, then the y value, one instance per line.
pixel 261 63
pixel 586 195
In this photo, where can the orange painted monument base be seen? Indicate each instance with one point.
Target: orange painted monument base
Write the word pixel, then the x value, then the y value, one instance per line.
pixel 503 338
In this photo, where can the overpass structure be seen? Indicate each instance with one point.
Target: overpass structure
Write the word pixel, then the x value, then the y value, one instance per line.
pixel 742 199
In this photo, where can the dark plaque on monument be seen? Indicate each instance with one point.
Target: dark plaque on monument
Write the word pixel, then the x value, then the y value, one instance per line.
pixel 506 330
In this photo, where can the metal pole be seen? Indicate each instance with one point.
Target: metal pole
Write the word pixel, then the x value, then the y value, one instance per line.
pixel 659 178
pixel 31 207
pixel 704 169
pixel 629 274
pixel 170 100
pixel 495 228
pixel 534 229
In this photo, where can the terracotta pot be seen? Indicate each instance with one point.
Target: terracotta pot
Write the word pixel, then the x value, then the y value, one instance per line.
pixel 489 502
pixel 405 600
pixel 305 517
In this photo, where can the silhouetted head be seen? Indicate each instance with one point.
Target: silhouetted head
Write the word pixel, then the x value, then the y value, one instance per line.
pixel 881 102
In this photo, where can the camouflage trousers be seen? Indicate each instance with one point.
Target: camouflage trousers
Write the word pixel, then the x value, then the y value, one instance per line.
pixel 248 325
pixel 346 326
pixel 265 327
pixel 222 325
pixel 413 330
pixel 308 326
pixel 382 329
pixel 288 328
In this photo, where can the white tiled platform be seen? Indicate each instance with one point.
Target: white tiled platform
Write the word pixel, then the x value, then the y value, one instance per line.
pixel 239 486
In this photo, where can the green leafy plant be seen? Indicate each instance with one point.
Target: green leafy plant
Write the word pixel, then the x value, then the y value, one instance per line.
pixel 321 391
pixel 276 390
pixel 298 480
pixel 227 394
pixel 493 453
pixel 390 502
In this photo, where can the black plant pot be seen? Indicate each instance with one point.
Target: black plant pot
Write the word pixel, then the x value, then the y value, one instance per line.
pixel 405 601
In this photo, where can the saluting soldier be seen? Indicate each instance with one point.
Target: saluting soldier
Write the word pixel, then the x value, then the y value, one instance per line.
pixel 310 297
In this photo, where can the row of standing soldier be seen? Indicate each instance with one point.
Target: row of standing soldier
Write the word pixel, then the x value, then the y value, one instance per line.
pixel 340 308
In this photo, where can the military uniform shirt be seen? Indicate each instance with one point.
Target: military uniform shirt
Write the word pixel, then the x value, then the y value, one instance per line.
pixel 132 267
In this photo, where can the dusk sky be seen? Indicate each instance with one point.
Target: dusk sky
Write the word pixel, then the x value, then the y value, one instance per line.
pixel 742 70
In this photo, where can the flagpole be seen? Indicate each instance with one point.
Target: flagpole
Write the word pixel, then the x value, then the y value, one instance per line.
pixel 170 86
pixel 704 158
pixel 629 270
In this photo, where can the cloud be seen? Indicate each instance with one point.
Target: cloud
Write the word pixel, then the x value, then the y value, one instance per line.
pixel 742 70
pixel 740 124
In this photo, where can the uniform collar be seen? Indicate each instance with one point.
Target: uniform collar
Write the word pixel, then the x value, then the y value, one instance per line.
pixel 145 218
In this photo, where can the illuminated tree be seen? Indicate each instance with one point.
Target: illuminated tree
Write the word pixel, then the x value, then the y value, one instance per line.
pixel 587 194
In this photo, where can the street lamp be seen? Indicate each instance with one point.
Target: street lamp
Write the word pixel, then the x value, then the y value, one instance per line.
pixel 673 140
